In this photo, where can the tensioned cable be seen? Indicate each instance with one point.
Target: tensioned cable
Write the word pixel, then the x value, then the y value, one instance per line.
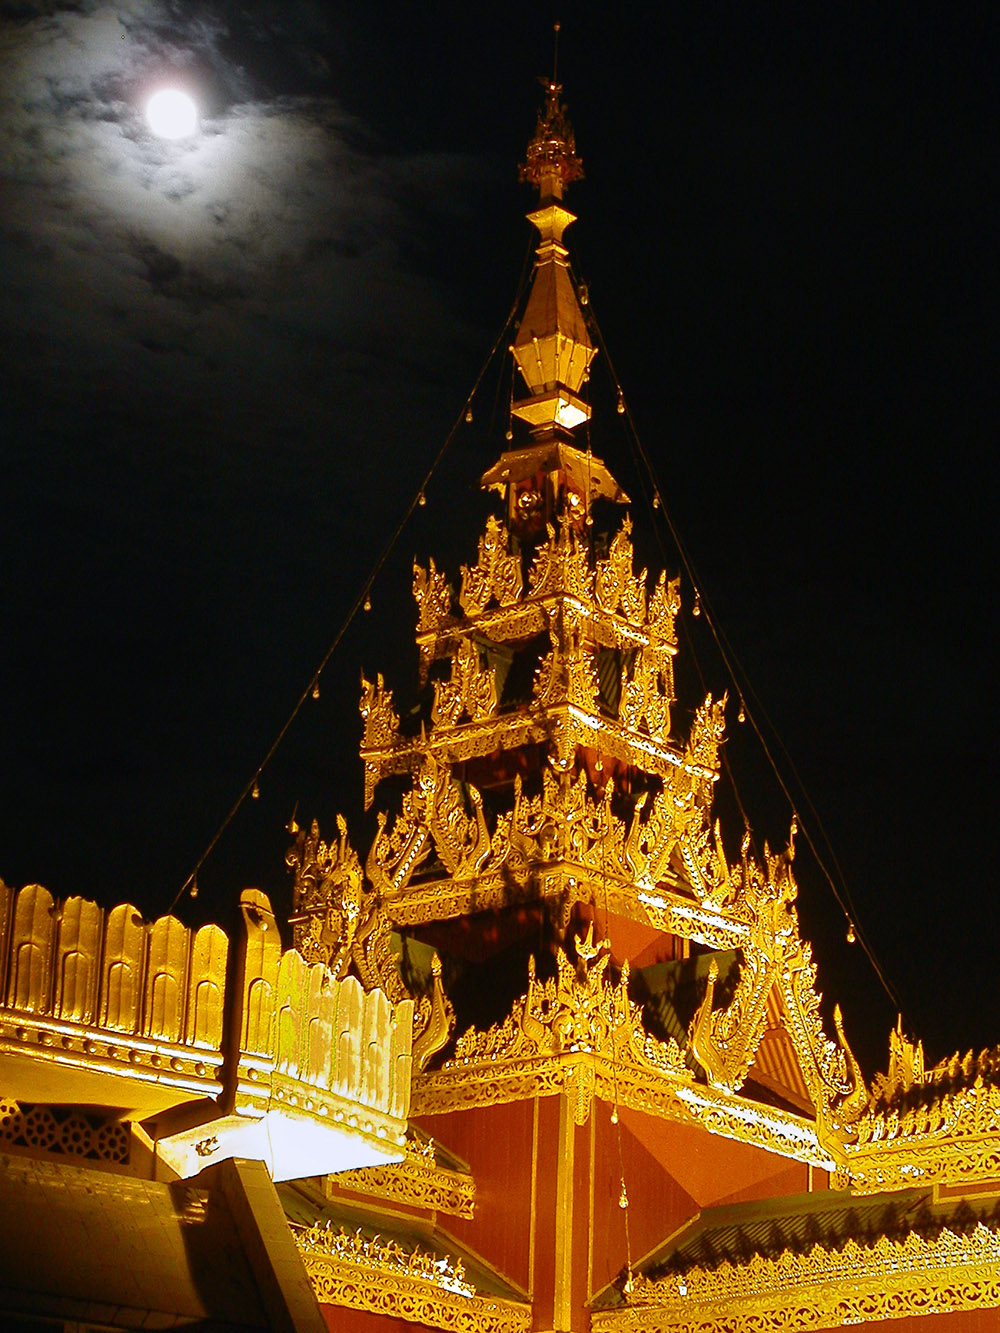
pixel 688 641
pixel 737 672
pixel 623 1200
pixel 692 650
pixel 311 689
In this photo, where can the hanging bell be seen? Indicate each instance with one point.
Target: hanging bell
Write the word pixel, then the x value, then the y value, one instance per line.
pixel 193 891
pixel 741 716
pixel 623 1197
pixel 696 609
pixel 255 790
pixel 851 936
pixel 315 689
pixel 421 499
pixel 368 604
pixel 510 434
pixel 621 404
pixel 468 415
pixel 614 1115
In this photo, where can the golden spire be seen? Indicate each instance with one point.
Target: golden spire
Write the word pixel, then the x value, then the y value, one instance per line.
pixel 552 349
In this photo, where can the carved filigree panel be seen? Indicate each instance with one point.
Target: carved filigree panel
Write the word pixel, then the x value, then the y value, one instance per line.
pixel 432 595
pixel 821 1289
pixel 382 1277
pixel 496 576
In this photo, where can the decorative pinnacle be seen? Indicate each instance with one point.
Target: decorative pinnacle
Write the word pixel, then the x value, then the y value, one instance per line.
pixel 551 161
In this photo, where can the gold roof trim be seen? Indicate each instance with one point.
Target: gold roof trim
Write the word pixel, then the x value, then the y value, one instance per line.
pixel 953 1139
pixel 579 1034
pixel 418 1180
pixel 799 1293
pixel 587 473
pixel 382 1277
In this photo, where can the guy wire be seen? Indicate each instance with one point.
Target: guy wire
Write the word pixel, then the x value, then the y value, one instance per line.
pixel 359 601
pixel 737 672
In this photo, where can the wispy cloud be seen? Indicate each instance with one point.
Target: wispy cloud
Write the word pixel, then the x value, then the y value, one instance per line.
pixel 216 267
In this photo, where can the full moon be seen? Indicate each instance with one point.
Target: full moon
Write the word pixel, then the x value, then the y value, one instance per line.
pixel 171 114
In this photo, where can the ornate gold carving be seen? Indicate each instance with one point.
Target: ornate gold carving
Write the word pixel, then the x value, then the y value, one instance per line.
pixel 496 575
pixel 433 596
pixel 647 693
pixel 385 1256
pixel 615 584
pixel 340 921
pixel 560 565
pixel 906 1067
pixel 562 826
pixel 417 1180
pixel 944 1134
pixel 577 1032
pixel 66 1132
pixel 664 605
pixel 707 731
pixel 380 718
pixel 407 1298
pixel 724 1043
pixel 652 840
pixel 434 811
pixel 416 1285
pixel 719 1112
pixel 821 1289
pixel 381 726
pixel 471 692
pixel 552 151
pixel 435 1019
pixel 564 676
pixel 333 910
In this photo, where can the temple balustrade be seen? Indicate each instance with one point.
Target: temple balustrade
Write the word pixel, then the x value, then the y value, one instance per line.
pixel 258 1054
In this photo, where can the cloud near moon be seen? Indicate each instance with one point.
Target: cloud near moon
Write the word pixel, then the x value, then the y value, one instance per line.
pixel 270 238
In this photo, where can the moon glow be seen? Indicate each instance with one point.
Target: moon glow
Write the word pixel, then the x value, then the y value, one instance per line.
pixel 171 114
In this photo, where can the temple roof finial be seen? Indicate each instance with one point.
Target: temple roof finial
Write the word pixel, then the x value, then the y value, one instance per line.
pixel 551 161
pixel 553 349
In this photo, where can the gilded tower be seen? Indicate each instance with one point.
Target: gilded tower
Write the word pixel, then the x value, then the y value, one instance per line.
pixel 624 1063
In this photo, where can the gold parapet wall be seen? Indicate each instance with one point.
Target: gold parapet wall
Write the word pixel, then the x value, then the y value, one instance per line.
pixel 104 1009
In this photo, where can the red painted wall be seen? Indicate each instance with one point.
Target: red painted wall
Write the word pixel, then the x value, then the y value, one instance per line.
pixel 496 1143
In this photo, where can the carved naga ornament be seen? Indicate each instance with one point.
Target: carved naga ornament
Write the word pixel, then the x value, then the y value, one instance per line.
pixel 339 921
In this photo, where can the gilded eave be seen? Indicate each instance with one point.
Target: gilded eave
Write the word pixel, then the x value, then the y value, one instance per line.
pixel 383 1276
pixel 821 1289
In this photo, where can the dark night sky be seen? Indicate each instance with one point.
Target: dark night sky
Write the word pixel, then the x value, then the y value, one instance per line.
pixel 228 362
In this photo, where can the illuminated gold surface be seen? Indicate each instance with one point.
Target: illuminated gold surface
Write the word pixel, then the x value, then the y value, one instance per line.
pixel 821 1289
pixel 590 712
pixel 105 1009
pixel 583 608
pixel 417 1180
pixel 339 921
pixel 384 1278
